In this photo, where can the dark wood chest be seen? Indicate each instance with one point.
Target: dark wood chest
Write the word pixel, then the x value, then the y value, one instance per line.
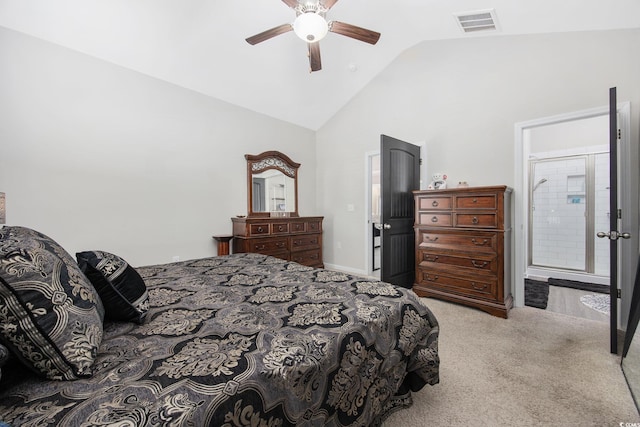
pixel 463 246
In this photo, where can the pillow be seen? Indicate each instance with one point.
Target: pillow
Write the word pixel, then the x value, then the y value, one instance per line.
pixel 121 289
pixel 50 315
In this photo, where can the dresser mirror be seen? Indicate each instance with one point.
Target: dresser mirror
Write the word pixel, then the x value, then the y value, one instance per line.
pixel 272 185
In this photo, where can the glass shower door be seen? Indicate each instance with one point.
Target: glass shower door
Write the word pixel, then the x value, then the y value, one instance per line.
pixel 559 213
pixel 569 199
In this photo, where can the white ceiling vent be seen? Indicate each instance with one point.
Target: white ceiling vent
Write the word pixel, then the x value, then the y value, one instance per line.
pixel 479 20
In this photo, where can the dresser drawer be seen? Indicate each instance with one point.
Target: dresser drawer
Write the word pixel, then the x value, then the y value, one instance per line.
pixel 435 219
pixel 268 246
pixel 477 220
pixel 314 226
pixel 483 287
pixel 482 263
pixel 301 243
pixel 280 228
pixel 298 226
pixel 259 229
pixel 310 258
pixel 466 241
pixel 426 203
pixel 477 202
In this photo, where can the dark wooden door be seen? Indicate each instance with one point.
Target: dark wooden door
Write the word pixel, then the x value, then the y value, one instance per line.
pixel 613 234
pixel 613 208
pixel 400 176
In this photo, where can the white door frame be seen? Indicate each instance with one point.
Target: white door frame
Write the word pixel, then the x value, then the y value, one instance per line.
pixel 627 200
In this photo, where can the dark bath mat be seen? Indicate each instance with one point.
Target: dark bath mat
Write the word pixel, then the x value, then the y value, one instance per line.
pixel 536 294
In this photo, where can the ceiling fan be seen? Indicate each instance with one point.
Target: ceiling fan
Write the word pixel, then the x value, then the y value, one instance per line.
pixel 311 26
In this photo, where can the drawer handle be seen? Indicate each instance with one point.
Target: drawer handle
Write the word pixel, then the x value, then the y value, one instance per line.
pixel 484 242
pixel 280 228
pixel 298 227
pixel 431 278
pixel 312 226
pixel 313 242
pixel 475 200
pixel 434 219
pixel 431 239
pixel 296 242
pixel 280 244
pixel 260 229
pixel 435 203
pixel 260 248
pixel 475 220
pixel 480 287
pixel 427 258
pixel 477 264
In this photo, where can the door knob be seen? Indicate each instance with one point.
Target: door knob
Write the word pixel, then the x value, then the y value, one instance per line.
pixel 613 235
pixel 386 226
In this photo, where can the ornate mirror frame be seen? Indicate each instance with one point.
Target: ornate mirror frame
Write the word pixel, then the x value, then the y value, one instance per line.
pixel 271 160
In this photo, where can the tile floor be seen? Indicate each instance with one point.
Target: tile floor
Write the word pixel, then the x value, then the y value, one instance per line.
pixel 567 301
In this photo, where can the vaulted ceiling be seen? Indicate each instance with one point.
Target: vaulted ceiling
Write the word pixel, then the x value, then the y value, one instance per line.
pixel 200 44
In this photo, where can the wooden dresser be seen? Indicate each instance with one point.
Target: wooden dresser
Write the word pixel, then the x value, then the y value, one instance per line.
pixel 463 246
pixel 296 239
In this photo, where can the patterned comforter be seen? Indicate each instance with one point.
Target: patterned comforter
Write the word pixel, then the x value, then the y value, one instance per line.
pixel 244 340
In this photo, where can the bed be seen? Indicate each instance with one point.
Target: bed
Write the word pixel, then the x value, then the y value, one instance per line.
pixel 236 340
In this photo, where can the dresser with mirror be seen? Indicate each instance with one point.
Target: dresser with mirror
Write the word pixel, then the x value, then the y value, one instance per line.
pixel 272 225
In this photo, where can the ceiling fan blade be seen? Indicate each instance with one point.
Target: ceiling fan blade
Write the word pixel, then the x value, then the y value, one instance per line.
pixel 266 35
pixel 314 56
pixel 354 32
pixel 328 4
pixel 291 3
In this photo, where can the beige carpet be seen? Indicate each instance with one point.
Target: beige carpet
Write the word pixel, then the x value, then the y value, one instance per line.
pixel 537 368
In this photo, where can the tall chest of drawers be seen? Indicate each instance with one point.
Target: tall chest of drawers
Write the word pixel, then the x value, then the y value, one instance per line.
pixel 296 239
pixel 463 246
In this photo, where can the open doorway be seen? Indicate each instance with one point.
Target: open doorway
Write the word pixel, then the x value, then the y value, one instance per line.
pixel 569 200
pixel 374 223
pixel 568 204
pixel 536 154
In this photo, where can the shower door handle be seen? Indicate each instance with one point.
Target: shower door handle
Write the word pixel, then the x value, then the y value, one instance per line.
pixel 613 235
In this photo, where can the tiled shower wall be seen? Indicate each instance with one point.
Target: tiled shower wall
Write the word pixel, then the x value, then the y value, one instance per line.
pixel 558 213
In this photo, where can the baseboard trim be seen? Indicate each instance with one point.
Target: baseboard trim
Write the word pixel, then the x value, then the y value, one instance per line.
pixel 344 269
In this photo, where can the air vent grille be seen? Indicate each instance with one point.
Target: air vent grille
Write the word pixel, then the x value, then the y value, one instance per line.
pixel 482 20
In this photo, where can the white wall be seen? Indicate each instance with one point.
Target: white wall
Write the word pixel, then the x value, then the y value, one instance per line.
pixel 463 98
pixel 100 157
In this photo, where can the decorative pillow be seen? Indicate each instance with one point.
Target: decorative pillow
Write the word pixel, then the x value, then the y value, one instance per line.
pixel 50 315
pixel 121 289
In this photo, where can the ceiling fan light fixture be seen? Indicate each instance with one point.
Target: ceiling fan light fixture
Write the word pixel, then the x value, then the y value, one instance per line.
pixel 310 27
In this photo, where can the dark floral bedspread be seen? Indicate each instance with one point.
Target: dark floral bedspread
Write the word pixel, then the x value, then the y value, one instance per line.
pixel 244 340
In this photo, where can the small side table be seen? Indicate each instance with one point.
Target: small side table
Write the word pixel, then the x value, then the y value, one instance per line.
pixel 223 243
